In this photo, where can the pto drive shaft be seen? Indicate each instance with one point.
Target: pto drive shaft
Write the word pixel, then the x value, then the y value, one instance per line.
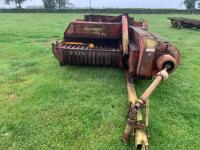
pixel 162 75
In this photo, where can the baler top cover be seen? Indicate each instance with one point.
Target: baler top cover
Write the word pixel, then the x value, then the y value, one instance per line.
pixel 99 27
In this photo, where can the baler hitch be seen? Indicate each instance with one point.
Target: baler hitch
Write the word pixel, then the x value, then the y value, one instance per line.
pixel 135 125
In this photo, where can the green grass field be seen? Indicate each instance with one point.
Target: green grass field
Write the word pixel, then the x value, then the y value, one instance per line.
pixel 45 106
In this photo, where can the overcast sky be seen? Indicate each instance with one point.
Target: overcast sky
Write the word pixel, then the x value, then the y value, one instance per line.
pixel 113 3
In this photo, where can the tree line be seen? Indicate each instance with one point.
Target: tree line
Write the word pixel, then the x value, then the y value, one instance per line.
pixel 48 4
pixel 61 4
pixel 191 4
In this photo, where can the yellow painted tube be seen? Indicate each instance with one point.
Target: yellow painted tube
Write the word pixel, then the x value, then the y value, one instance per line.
pixel 89 45
pixel 141 141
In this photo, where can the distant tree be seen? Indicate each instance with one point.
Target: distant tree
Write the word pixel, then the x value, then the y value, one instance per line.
pixel 190 4
pixel 52 4
pixel 49 4
pixel 18 3
pixel 62 3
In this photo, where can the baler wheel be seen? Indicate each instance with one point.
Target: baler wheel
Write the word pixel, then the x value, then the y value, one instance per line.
pixel 179 25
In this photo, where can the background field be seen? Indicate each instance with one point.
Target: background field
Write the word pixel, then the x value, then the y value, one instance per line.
pixel 45 106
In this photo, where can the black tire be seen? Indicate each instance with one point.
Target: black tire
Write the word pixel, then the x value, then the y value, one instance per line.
pixel 179 25
pixel 62 64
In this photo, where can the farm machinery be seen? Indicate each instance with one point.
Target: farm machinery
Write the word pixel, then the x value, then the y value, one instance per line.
pixel 184 23
pixel 122 42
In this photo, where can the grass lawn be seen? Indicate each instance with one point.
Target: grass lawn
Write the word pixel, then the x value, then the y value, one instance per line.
pixel 45 106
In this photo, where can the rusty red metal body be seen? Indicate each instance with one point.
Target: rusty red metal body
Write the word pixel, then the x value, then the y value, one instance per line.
pixel 117 41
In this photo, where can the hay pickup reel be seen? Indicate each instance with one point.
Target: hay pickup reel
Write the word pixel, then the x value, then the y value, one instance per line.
pixel 120 41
